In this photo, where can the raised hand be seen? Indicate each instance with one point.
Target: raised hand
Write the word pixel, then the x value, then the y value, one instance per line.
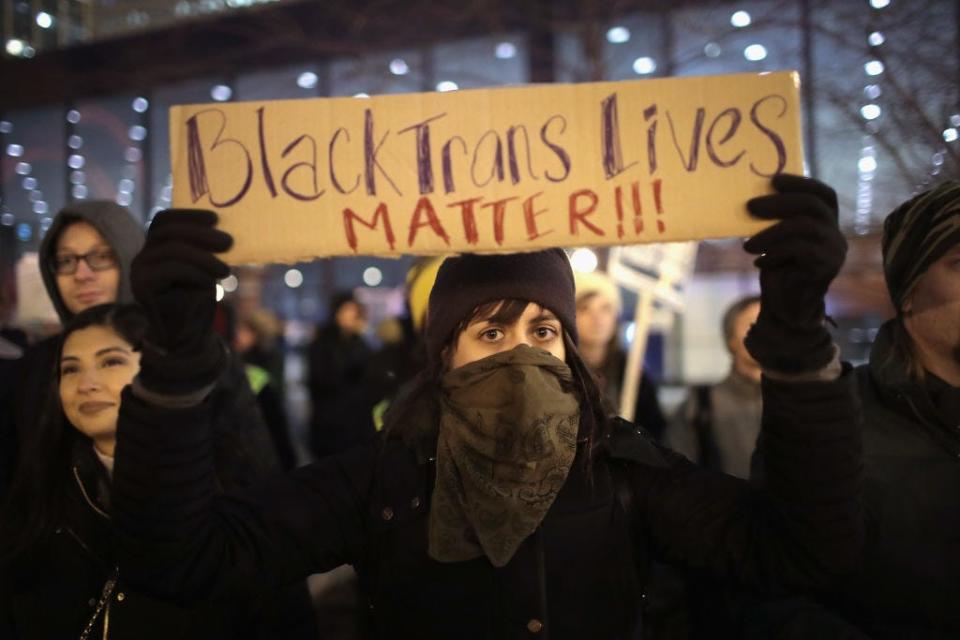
pixel 174 279
pixel 799 257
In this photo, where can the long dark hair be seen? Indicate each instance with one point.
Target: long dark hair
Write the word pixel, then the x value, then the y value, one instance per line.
pixel 414 415
pixel 36 501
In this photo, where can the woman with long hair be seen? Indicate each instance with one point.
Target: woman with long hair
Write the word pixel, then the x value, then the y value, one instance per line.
pixel 60 576
pixel 501 500
pixel 598 310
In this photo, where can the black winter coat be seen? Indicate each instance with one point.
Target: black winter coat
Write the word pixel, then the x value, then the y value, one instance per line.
pixel 580 575
pixel 71 581
pixel 910 583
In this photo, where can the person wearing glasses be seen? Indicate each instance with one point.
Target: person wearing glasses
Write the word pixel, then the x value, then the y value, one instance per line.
pixel 85 261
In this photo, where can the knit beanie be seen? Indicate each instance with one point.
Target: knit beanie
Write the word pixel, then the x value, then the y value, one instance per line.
pixel 468 281
pixel 916 234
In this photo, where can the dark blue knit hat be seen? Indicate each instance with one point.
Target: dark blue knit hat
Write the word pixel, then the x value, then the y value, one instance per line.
pixel 468 281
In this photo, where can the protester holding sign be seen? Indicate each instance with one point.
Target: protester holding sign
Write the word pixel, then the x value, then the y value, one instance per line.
pixel 501 501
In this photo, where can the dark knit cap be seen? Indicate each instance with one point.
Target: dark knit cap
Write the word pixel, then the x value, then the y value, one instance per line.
pixel 916 234
pixel 468 281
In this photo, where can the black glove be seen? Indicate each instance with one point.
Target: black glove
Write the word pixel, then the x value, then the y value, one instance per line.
pixel 799 257
pixel 174 279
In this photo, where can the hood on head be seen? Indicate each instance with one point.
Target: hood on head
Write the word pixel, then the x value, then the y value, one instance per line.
pixel 119 228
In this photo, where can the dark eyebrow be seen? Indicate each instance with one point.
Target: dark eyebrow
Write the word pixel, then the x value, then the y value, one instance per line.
pixel 546 314
pixel 99 353
pixel 109 349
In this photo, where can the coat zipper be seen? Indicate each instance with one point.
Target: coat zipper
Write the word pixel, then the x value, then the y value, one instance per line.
pixel 83 490
pixel 103 606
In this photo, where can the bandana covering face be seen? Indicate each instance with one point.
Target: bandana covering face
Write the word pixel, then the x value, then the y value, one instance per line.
pixel 508 436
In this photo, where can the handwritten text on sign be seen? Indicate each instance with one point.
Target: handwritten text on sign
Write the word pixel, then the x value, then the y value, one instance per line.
pixel 506 169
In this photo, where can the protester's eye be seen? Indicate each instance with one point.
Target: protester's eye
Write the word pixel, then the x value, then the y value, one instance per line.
pixel 545 332
pixel 491 335
pixel 68 369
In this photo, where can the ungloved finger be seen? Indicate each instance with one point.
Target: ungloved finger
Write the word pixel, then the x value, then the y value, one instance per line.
pixel 791 183
pixel 789 205
pixel 207 238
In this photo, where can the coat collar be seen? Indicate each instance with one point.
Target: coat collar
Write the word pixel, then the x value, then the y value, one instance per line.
pixel 901 391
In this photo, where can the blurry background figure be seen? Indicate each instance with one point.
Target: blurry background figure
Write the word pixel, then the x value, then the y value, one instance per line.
pixel 717 426
pixel 403 354
pixel 258 341
pixel 392 365
pixel 255 336
pixel 337 362
pixel 598 310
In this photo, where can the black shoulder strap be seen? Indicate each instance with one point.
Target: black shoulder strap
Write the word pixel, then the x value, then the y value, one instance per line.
pixel 703 426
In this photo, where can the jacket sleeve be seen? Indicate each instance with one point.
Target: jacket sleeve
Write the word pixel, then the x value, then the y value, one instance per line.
pixel 802 527
pixel 178 539
pixel 243 451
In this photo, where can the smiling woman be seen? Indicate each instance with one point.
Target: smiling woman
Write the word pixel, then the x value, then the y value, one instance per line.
pixel 96 363
pixel 96 360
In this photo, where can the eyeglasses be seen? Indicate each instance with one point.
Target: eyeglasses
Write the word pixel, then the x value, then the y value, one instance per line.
pixel 98 260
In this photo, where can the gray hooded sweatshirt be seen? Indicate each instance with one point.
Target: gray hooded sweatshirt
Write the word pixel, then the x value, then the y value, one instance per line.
pixel 118 227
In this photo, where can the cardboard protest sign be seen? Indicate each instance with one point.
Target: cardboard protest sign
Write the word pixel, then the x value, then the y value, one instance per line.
pixel 507 169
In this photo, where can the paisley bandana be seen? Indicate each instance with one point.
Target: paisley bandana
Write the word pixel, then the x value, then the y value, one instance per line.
pixel 508 436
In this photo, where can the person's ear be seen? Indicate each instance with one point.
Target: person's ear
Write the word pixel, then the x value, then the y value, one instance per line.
pixel 906 308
